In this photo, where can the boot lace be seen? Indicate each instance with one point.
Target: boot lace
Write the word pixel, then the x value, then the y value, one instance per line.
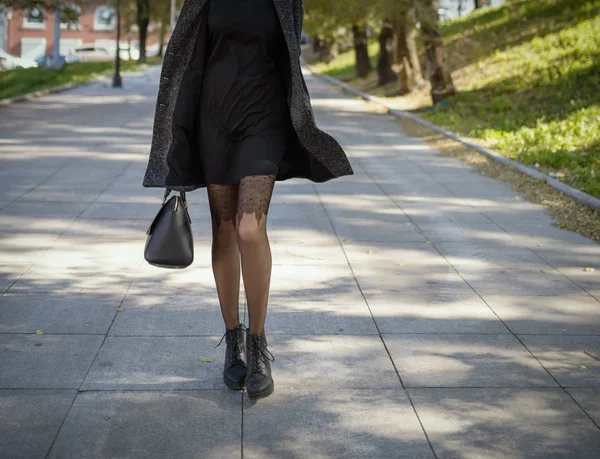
pixel 236 348
pixel 260 354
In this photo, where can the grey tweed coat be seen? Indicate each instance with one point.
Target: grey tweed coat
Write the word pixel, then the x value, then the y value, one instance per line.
pixel 174 157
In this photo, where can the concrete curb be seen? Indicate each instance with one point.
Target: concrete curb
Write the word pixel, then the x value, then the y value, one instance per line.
pixel 578 195
pixel 56 89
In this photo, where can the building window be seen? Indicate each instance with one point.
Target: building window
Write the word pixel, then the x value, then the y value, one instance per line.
pixel 34 18
pixel 105 18
pixel 69 17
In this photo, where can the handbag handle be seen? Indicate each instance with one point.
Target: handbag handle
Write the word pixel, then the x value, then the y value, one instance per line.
pixel 183 199
pixel 181 194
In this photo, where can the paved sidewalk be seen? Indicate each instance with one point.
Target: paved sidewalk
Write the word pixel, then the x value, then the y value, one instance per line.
pixel 417 309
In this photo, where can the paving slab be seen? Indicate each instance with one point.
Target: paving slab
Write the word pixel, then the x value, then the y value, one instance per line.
pixel 46 361
pixel 83 265
pixel 306 423
pixel 328 361
pixel 376 230
pixel 146 425
pixel 345 315
pixel 498 267
pixel 589 400
pixel 24 248
pixel 172 315
pixel 505 424
pixel 453 231
pixel 41 210
pixel 120 210
pixel 575 314
pixel 573 360
pixel 195 280
pixel 415 268
pixel 285 252
pixel 134 229
pixel 57 313
pixel 9 274
pixel 465 360
pixel 31 420
pixel 80 193
pixel 311 228
pixel 302 283
pixel 157 363
pixel 432 313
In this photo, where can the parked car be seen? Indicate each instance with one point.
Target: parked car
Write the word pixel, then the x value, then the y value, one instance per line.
pixel 89 53
pixel 9 62
pixel 101 53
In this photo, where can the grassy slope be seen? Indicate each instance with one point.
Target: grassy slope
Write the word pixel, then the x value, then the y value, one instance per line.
pixel 22 81
pixel 529 80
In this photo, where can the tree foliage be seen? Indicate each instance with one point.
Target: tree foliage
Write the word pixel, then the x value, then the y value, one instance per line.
pixel 394 21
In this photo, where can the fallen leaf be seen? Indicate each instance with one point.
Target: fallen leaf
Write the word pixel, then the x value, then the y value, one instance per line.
pixel 428 242
pixel 400 264
pixel 582 367
pixel 206 359
pixel 369 252
pixel 398 273
pixel 39 332
pixel 120 309
pixel 588 269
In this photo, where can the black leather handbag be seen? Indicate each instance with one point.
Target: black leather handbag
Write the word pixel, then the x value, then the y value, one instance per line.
pixel 170 243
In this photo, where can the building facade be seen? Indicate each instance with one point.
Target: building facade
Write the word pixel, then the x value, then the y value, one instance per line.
pixel 30 33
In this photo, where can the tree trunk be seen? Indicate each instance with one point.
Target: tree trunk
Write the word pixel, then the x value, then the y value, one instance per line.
pixel 407 58
pixel 143 19
pixel 441 81
pixel 384 61
pixel 411 44
pixel 161 37
pixel 404 68
pixel 328 51
pixel 479 3
pixel 361 50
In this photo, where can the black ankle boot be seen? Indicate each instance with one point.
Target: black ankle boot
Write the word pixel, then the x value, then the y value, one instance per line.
pixel 259 382
pixel 234 370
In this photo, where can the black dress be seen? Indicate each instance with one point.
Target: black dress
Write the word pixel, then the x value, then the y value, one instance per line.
pixel 243 122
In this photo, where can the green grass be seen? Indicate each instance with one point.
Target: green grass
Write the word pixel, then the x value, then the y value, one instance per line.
pixel 22 81
pixel 528 76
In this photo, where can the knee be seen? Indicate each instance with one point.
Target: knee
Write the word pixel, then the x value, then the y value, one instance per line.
pixel 224 233
pixel 249 231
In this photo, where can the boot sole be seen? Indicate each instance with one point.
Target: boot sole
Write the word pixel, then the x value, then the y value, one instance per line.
pixel 262 394
pixel 234 386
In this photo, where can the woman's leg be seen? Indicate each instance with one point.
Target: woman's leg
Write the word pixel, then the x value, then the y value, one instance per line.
pixel 225 253
pixel 254 198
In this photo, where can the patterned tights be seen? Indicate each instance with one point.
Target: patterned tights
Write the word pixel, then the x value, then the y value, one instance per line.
pixel 237 233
